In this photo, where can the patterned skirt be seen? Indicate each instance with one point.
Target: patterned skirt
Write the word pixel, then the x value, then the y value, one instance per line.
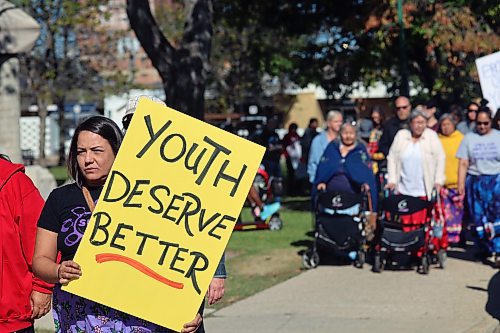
pixel 483 198
pixel 76 314
pixel 453 208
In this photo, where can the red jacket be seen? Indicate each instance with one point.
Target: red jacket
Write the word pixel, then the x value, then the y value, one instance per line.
pixel 20 207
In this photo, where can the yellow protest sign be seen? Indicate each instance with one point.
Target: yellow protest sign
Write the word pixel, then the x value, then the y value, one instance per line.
pixel 164 216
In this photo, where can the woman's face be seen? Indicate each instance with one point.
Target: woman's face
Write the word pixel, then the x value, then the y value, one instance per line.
pixel 447 127
pixel 472 112
pixel 417 126
pixel 348 135
pixel 483 123
pixel 376 118
pixel 430 111
pixel 335 123
pixel 95 157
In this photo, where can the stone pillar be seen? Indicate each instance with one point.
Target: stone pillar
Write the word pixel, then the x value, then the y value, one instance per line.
pixel 18 33
pixel 10 109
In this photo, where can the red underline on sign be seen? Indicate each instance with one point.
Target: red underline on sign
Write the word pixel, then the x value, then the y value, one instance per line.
pixel 104 257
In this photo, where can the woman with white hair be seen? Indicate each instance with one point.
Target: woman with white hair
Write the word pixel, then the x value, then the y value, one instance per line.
pixel 415 166
pixel 416 159
pixel 345 166
pixel 334 120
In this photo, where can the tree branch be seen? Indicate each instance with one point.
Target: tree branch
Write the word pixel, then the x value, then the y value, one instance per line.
pixel 198 30
pixel 157 47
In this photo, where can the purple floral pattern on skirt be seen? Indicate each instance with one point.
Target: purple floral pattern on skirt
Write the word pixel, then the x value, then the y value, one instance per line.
pixel 453 204
pixel 75 314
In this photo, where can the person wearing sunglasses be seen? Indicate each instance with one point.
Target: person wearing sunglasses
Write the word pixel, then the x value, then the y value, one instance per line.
pixel 469 123
pixel 402 110
pixel 479 179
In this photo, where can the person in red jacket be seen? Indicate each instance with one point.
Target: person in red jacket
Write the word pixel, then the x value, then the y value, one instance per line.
pixel 23 298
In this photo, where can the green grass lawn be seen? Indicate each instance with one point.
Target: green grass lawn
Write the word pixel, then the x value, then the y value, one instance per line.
pixel 257 260
pixel 60 174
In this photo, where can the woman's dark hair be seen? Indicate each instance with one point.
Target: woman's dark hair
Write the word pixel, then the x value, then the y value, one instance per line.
pixel 100 125
pixel 456 111
pixel 293 127
pixel 472 104
pixel 486 110
pixel 483 102
pixel 312 120
pixel 380 111
pixel 496 119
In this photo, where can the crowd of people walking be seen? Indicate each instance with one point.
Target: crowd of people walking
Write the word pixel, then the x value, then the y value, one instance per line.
pixel 450 158
pixel 414 153
pixel 454 163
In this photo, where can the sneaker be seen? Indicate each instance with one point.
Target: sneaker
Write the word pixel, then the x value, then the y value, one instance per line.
pixel 269 210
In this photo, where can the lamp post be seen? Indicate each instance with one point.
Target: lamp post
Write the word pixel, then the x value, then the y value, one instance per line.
pixel 404 85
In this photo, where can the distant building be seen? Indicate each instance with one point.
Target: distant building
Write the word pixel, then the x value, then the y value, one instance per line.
pixel 126 56
pixel 29 125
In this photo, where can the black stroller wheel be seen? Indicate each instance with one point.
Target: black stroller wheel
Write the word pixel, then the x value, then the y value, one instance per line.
pixel 305 261
pixel 360 259
pixel 275 223
pixel 377 263
pixel 442 256
pixel 425 264
pixel 310 259
pixel 314 260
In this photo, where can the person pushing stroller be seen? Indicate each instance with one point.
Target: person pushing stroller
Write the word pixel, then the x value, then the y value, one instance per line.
pixel 415 165
pixel 343 178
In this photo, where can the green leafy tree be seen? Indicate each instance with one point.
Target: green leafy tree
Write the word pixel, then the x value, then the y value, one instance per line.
pixel 263 46
pixel 442 40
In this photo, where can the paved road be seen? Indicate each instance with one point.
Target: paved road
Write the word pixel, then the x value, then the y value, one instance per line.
pixel 345 299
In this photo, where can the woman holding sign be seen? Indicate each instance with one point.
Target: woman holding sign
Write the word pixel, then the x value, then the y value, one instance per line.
pixel 61 226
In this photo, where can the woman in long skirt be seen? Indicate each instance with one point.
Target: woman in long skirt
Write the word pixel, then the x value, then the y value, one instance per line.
pixel 479 176
pixel 452 201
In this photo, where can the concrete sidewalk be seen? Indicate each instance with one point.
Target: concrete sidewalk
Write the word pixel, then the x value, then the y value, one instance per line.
pixel 345 299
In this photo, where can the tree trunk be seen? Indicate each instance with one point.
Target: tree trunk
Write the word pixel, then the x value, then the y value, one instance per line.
pixel 182 70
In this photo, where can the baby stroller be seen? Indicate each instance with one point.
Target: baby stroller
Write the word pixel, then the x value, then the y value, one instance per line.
pixel 268 188
pixel 339 227
pixel 403 244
